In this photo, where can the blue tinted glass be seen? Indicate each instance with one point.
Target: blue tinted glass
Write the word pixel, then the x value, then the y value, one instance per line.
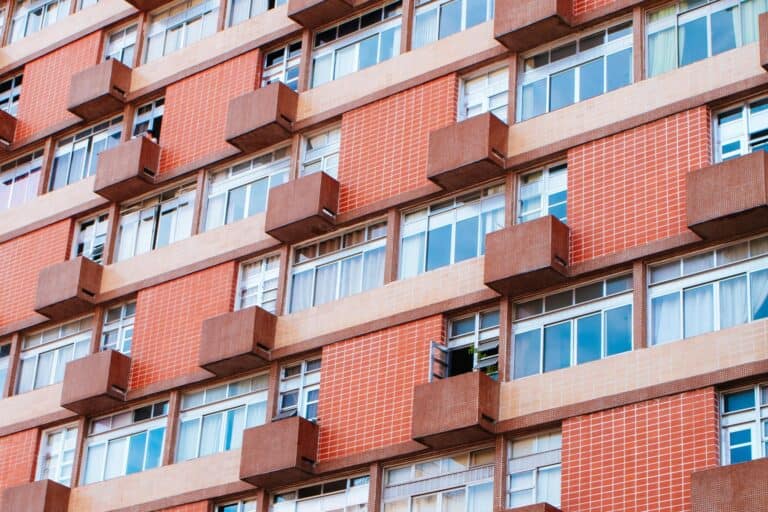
pixel 557 346
pixel 233 434
pixel 450 18
pixel 257 202
pixel 619 69
pixel 588 339
pixel 562 88
pixel 476 12
pixel 661 52
pixel 559 211
pixel 534 99
pixel 742 454
pixel 739 400
pixel 618 330
pixel 759 294
pixel 527 353
pixel 740 437
pixel 693 41
pixel 369 50
pixel 723 31
pixel 424 31
pixel 154 448
pixel 466 239
pixel 731 147
pixel 136 447
pixel 591 78
pixel 439 247
pixel 389 42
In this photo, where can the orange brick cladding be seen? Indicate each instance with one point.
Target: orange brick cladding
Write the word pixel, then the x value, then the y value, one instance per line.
pixel 198 105
pixel 584 6
pixel 49 77
pixel 639 458
pixel 384 144
pixel 168 321
pixel 629 189
pixel 367 387
pixel 23 258
pixel 200 506
pixel 17 458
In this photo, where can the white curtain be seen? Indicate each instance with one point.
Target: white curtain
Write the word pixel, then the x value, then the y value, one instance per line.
pixel 665 311
pixel 187 446
pixel 373 273
pixel 351 276
pixel 116 455
pixel 548 486
pixel 662 52
pixel 325 283
pixel 480 497
pixel 301 290
pixel 733 302
pixel 750 11
pixel 698 310
pixel 235 426
pixel 209 437
pixel 412 255
pixel 425 28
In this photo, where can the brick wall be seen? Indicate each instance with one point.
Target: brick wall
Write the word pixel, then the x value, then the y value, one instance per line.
pixel 23 258
pixel 367 387
pixel 200 506
pixel 384 144
pixel 639 457
pixel 196 110
pixel 18 454
pixel 168 321
pixel 584 6
pixel 629 189
pixel 49 77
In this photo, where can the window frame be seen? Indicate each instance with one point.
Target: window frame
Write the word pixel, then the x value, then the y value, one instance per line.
pixel 745 140
pixel 27 166
pixel 279 72
pixel 62 11
pixel 324 153
pixel 292 505
pixel 195 10
pixel 123 32
pixel 753 419
pixel 463 104
pixel 121 327
pixel 545 194
pixel 14 94
pixel 266 274
pixel 152 117
pixel 101 218
pixel 60 454
pixel 308 380
pixel 534 463
pixel 425 6
pixel 476 341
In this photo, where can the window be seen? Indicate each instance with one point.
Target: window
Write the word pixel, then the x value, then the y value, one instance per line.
pixel 709 291
pixel 76 157
pixel 155 222
pixel 238 506
pixel 320 152
pixel 684 32
pixel 356 44
pixel 5 358
pixel 573 327
pixel 90 237
pixel 337 267
pixel 462 482
pixel 347 494
pixel 10 92
pixel 741 130
pixel 744 422
pixel 300 389
pixel 449 231
pixel 44 354
pixel 149 119
pixel 473 344
pixel 30 16
pixel 179 26
pixel 282 65
pixel 257 285
pixel 241 190
pixel 121 45
pixel 57 454
pixel 117 332
pixel 213 419
pixel 19 180
pixel 125 443
pixel 487 92
pixel 593 64
pixel 543 192
pixel 534 470
pixel 82 4
pixel 437 19
pixel 241 10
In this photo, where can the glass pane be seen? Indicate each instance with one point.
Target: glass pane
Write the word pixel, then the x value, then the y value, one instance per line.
pixel 548 485
pixel 188 434
pixel 154 448
pixel 453 501
pixel 534 102
pixel 618 330
pixel 619 67
pixel 723 30
pixel 480 497
pixel 698 310
pixel 209 438
pixel 527 353
pixel 733 302
pixel 369 49
pixel 94 461
pixel 450 18
pixel 662 52
pixel 466 239
pixel 116 454
pixel 562 89
pixel 345 61
pixel 665 311
pixel 236 205
pixel 739 400
pixel 439 247
pixel 351 276
pixel 591 78
pixel 136 447
pixel 233 435
pixel 425 28
pixel 758 282
pixel 557 346
pixel 588 338
pixel 425 503
pixel 325 283
pixel 693 41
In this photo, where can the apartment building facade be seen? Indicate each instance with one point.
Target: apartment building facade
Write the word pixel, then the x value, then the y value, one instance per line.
pixel 399 256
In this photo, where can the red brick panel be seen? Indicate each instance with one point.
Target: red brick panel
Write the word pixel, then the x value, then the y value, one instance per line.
pixel 367 385
pixel 629 189
pixel 45 91
pixel 18 454
pixel 384 144
pixel 640 457
pixel 200 506
pixel 168 321
pixel 196 110
pixel 584 6
pixel 23 258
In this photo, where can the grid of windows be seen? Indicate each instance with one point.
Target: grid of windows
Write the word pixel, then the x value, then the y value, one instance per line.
pixel 213 419
pixel 357 43
pixel 744 422
pixel 345 495
pixel 282 65
pixel 590 65
pixel 299 389
pixel 179 26
pixel 20 179
pixel 30 16
pixel 257 285
pixel 76 157
pixel 240 10
pixel 320 152
pixel 449 231
pixel 117 333
pixel 121 45
pixel 45 354
pixel 90 237
pixel 10 92
pixel 543 192
pixel 573 327
pixel 438 19
pixel 485 92
pixel 709 291
pixel 741 130
pixel 534 470
pixel 57 454
pixel 149 119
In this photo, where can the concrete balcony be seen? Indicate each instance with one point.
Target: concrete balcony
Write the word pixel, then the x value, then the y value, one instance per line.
pixel 455 411
pixel 524 24
pixel 127 170
pixel 735 488
pixel 40 496
pixel 96 383
pixel 236 342
pixel 7 129
pixel 729 198
pixel 68 289
pixel 280 453
pixel 99 90
pixel 527 257
pixel 261 118
pixel 302 208
pixel 467 152
pixel 314 13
